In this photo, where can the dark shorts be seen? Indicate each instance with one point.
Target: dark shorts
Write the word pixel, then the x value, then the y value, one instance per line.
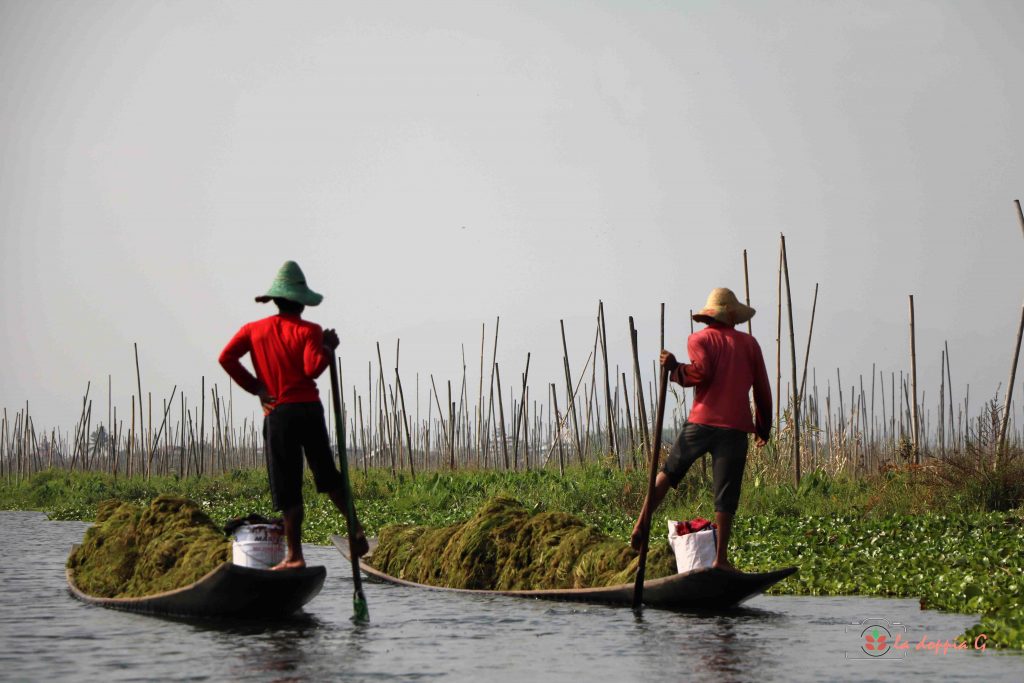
pixel 290 430
pixel 728 448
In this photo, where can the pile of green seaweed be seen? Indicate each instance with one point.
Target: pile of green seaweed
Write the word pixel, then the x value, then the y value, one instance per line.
pixel 134 550
pixel 505 547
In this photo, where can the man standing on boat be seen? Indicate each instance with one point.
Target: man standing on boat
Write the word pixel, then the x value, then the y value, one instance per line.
pixel 288 354
pixel 724 365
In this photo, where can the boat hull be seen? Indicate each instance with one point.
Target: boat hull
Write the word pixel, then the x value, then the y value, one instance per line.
pixel 228 591
pixel 710 589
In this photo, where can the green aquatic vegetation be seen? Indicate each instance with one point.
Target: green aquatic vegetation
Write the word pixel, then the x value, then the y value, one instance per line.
pixel 505 546
pixel 971 563
pixel 133 551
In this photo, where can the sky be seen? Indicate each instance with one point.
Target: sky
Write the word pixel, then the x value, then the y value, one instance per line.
pixel 435 166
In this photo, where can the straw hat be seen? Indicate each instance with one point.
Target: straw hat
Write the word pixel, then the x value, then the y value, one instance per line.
pixel 290 284
pixel 723 306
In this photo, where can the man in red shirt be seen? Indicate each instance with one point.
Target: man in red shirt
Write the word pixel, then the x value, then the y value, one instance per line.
pixel 724 365
pixel 288 354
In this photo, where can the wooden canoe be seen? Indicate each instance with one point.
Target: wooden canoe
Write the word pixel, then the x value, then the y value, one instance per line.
pixel 228 591
pixel 701 589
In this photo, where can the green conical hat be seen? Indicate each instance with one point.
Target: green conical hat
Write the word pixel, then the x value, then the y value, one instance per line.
pixel 290 284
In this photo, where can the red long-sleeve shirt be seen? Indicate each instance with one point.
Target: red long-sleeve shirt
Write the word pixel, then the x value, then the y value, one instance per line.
pixel 724 365
pixel 287 354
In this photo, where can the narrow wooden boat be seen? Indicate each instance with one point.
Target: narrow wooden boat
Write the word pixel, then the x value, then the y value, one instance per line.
pixel 701 589
pixel 228 591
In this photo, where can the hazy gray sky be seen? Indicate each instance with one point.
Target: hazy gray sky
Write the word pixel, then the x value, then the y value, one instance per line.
pixel 434 165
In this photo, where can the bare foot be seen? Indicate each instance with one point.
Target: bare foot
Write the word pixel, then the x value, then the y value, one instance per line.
pixel 289 564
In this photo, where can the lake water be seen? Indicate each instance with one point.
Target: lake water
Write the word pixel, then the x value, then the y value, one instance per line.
pixel 45 634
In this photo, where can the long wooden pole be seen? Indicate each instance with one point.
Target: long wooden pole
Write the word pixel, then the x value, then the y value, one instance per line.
pixel 360 609
pixel 645 515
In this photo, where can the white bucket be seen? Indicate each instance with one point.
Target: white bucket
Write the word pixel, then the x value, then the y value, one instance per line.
pixel 260 546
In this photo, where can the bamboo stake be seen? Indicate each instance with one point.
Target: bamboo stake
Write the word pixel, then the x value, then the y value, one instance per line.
pixel 570 394
pixel 810 333
pixel 949 383
pixel 913 381
pixel 1020 215
pixel 629 423
pixel 746 289
pixel 778 346
pixel 607 386
pixel 202 425
pixel 451 418
pixel 641 409
pixel 792 348
pixel 405 419
pixel 1009 385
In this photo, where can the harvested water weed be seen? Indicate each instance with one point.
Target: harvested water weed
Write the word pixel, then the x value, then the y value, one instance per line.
pixel 133 551
pixel 506 547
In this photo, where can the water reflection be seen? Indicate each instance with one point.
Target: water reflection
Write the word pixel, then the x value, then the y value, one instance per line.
pixel 276 650
pixel 726 644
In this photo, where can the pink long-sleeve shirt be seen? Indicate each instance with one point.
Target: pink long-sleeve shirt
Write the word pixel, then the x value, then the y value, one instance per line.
pixel 724 365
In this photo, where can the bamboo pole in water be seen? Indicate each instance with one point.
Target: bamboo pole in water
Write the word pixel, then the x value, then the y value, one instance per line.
pixel 746 289
pixel 942 404
pixel 138 386
pixel 451 418
pixel 405 421
pixel 629 422
pixel 202 424
pixel 607 385
pixel 570 394
pixel 131 444
pixel 517 428
pixel 913 383
pixel 792 348
pixel 641 410
pixel 558 430
pixel 501 415
pixel 949 383
pixel 1020 215
pixel 807 351
pixel 490 395
pixel 1007 402
pixel 778 346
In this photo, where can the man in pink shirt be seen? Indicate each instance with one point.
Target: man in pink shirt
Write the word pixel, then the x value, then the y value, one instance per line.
pixel 724 365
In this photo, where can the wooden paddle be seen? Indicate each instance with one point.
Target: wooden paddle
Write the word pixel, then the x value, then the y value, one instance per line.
pixel 645 514
pixel 362 612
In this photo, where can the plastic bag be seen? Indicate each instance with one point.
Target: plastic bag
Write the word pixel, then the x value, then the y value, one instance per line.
pixel 695 544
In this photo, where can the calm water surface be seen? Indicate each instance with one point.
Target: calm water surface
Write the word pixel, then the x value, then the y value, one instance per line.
pixel 45 634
